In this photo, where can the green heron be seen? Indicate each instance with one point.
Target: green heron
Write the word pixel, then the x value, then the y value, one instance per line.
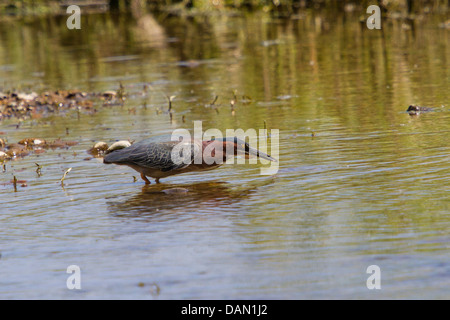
pixel 153 157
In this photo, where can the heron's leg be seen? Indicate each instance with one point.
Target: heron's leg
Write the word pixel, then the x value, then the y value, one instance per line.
pixel 157 180
pixel 145 179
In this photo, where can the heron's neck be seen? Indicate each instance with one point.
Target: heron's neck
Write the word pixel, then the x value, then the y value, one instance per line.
pixel 211 146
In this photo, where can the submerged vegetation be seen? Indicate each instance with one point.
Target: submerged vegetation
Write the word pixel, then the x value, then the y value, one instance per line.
pixel 27 146
pixel 32 105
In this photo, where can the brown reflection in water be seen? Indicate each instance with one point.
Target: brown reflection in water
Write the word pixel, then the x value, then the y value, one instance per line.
pixel 169 201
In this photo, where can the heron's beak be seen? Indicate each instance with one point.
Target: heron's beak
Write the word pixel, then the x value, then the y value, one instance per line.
pixel 256 152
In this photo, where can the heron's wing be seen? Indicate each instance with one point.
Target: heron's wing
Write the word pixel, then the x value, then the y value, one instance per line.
pixel 167 156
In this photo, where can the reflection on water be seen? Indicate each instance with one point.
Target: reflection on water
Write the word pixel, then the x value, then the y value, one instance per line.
pixel 167 201
pixel 361 182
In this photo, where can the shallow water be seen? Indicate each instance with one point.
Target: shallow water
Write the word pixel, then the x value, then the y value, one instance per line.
pixel 369 187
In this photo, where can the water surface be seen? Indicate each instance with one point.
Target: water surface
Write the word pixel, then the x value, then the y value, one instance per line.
pixel 360 183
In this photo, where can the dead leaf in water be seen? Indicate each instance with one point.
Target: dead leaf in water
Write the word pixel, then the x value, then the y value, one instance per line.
pixel 98 149
pixel 32 142
pixel 16 150
pixel 109 94
pixel 118 145
pixel 3 156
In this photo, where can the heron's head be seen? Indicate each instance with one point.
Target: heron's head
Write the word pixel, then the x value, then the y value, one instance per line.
pixel 240 147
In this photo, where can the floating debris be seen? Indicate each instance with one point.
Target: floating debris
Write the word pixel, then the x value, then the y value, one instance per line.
pixel 33 105
pixel 416 110
pixel 118 145
pixel 101 148
pixel 32 142
pixel 4 156
pixel 98 150
pixel 15 150
pixel 153 288
pixel 29 146
pixel 109 95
